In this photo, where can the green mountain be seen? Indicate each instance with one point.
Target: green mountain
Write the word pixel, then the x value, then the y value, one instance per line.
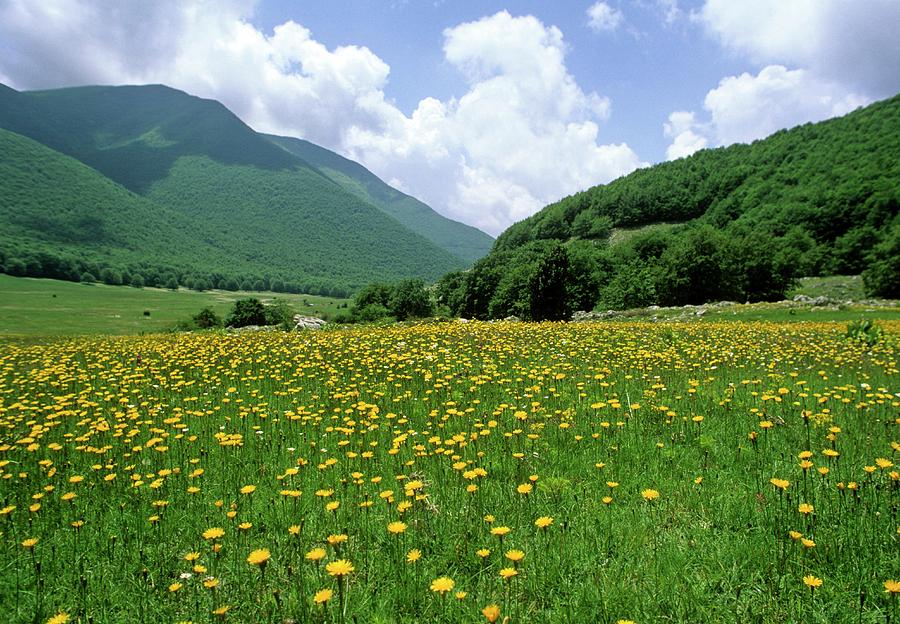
pixel 251 211
pixel 733 223
pixel 92 221
pixel 464 241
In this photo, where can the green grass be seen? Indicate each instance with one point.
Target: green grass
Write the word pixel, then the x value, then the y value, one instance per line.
pixel 43 307
pixel 837 287
pixel 621 235
pixel 782 314
pixel 118 454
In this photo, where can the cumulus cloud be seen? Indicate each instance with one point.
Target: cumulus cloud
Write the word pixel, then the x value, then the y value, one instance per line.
pixel 686 133
pixel 744 108
pixel 522 135
pixel 603 18
pixel 841 55
pixel 845 41
pixel 670 11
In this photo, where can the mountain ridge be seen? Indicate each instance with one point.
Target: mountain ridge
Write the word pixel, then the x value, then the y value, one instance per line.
pixel 463 240
pixel 817 199
pixel 240 191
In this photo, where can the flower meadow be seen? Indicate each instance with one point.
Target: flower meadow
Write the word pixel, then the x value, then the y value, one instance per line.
pixel 477 472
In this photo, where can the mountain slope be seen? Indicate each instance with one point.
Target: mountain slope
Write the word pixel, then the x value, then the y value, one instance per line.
pixel 823 177
pixel 462 240
pixel 54 206
pixel 239 192
pixel 735 223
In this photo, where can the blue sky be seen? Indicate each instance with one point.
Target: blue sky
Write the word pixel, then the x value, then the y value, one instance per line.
pixel 647 67
pixel 485 110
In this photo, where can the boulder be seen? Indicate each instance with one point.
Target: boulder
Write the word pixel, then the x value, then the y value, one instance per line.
pixel 307 322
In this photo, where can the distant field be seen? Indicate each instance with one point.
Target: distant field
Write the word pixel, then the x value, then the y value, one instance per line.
pixel 43 307
pixel 840 287
pixel 624 234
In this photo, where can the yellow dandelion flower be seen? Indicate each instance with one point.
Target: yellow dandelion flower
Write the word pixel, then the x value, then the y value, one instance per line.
pixel 508 573
pixel 812 581
pixel 442 585
pixel 339 568
pixel 60 618
pixel 543 522
pixel 515 555
pixel 649 495
pixel 491 613
pixel 413 555
pixel 259 557
pixel 213 533
pixel 322 596
pixel 396 528
pixel 316 554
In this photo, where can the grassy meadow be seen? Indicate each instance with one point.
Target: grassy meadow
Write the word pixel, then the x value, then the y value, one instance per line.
pixel 456 472
pixel 45 307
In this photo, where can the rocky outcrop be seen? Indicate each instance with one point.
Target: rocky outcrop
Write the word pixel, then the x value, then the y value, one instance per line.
pixel 307 322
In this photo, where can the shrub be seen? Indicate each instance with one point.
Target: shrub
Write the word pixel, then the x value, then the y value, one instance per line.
pixel 279 313
pixel 207 318
pixel 249 311
pixel 865 331
pixel 410 299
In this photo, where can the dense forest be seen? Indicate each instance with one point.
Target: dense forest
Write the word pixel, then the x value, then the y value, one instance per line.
pixel 148 185
pixel 735 223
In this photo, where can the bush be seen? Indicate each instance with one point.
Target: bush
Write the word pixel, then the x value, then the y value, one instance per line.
pixel 246 312
pixel 279 313
pixel 206 319
pixel 410 299
pixel 111 277
pixel 370 313
pixel 882 277
pixel 865 331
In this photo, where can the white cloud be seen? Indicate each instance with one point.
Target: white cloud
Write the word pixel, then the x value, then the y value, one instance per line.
pixel 842 54
pixel 686 134
pixel 670 10
pixel 522 135
pixel 745 108
pixel 603 18
pixel 851 42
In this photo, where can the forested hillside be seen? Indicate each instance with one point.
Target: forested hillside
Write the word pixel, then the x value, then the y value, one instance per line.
pixel 97 229
pixel 818 199
pixel 464 241
pixel 247 211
